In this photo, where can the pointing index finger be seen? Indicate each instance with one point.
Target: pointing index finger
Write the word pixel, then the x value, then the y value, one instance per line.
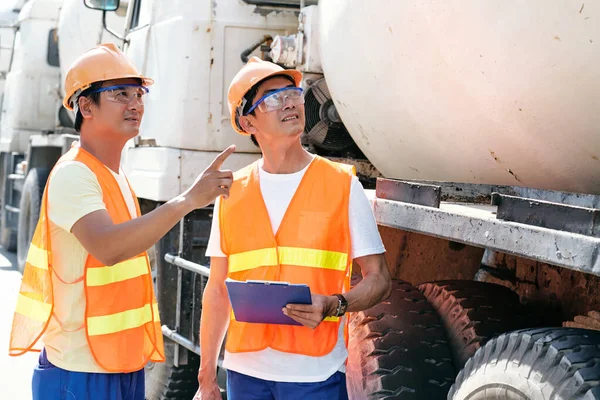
pixel 220 159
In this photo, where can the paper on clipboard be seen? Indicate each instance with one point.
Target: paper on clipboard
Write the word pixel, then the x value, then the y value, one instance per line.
pixel 262 301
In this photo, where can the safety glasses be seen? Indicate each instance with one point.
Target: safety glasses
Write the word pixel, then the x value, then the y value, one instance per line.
pixel 275 100
pixel 124 94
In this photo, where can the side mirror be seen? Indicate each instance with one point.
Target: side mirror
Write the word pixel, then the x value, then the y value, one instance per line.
pixel 104 5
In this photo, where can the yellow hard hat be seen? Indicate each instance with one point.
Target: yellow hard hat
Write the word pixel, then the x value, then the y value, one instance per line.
pixel 252 73
pixel 102 63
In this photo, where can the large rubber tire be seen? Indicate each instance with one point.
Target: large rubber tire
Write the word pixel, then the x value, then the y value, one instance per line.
pixel 8 235
pixel 534 364
pixel 30 207
pixel 474 312
pixel 164 381
pixel 398 350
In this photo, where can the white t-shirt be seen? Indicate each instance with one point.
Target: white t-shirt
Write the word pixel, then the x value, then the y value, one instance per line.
pixel 277 191
pixel 73 192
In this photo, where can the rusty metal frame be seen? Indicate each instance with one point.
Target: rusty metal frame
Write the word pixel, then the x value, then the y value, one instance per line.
pixel 481 193
pixel 409 192
pixel 581 220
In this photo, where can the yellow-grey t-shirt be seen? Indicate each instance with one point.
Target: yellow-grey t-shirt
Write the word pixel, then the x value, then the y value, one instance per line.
pixel 73 192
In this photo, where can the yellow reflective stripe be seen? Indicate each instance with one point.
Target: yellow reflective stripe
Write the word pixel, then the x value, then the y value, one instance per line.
pixel 313 258
pixel 37 257
pixel 252 259
pixel 34 309
pixel 117 273
pixel 290 256
pixel 327 319
pixel 120 321
pixel 156 313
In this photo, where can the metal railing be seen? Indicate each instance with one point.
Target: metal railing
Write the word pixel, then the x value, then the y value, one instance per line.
pixel 185 264
pixel 174 335
pixel 181 264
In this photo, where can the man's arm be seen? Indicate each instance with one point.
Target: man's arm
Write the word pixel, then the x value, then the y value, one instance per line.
pixel 112 243
pixel 213 325
pixel 375 286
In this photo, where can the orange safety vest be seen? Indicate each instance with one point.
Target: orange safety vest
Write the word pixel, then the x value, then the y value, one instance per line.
pixel 121 316
pixel 312 246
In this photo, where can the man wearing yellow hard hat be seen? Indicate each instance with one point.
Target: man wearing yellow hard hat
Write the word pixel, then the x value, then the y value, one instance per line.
pixel 87 300
pixel 290 217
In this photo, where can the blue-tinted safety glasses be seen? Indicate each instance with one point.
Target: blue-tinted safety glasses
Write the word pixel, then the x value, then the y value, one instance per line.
pixel 124 93
pixel 275 100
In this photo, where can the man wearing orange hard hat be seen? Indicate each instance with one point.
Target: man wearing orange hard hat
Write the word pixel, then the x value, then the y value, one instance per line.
pixel 290 217
pixel 87 301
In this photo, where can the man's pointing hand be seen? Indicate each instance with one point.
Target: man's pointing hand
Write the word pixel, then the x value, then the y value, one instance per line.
pixel 211 183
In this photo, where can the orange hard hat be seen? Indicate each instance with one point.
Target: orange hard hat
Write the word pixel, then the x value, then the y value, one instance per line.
pixel 252 73
pixel 102 63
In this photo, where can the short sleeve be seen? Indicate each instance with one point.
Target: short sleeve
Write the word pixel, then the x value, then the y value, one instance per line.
pixel 213 249
pixel 73 193
pixel 363 228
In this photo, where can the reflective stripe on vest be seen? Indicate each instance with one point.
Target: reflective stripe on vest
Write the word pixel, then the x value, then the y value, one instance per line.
pixel 37 257
pixel 32 308
pixel 121 310
pixel 312 246
pixel 288 255
pixel 327 319
pixel 117 273
pixel 121 321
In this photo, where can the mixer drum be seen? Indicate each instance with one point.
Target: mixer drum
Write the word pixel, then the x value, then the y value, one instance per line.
pixel 497 92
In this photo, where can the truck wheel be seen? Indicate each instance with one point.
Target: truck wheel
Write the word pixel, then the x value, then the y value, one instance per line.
pixel 473 312
pixel 398 350
pixel 533 364
pixel 8 235
pixel 30 207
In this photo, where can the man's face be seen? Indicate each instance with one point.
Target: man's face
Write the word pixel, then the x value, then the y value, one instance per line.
pixel 286 122
pixel 121 110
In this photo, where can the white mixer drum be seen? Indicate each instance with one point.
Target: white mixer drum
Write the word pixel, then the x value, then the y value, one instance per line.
pixel 495 91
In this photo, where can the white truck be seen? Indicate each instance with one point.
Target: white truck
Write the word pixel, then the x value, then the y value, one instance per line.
pixel 8 17
pixel 475 122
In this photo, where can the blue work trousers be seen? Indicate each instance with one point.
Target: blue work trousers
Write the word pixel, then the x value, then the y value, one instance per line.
pixel 244 387
pixel 52 383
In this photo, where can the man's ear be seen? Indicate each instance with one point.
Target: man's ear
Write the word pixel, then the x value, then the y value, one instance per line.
pixel 85 107
pixel 247 126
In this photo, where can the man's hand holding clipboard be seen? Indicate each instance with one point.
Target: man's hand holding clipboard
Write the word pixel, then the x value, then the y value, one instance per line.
pixel 311 315
pixel 278 303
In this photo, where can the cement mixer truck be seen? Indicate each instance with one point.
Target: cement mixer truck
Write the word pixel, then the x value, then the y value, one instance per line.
pixel 473 125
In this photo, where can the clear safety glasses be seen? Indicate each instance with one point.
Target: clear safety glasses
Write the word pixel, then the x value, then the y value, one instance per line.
pixel 124 94
pixel 275 100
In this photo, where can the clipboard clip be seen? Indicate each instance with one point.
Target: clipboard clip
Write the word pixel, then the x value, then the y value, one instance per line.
pixel 268 282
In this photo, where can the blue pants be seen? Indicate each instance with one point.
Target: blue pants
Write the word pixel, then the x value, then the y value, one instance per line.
pixel 52 383
pixel 244 387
